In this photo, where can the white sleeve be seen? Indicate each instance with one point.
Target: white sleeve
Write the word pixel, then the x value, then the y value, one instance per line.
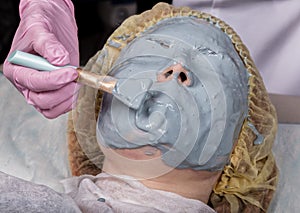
pixel 271 32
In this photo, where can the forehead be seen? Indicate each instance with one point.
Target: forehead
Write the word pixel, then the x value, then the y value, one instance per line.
pixel 179 38
pixel 199 46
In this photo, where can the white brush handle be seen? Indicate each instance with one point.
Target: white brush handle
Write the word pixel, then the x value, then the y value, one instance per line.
pixel 104 83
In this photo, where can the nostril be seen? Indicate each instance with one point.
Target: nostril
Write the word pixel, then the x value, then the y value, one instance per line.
pixel 182 77
pixel 176 72
pixel 167 74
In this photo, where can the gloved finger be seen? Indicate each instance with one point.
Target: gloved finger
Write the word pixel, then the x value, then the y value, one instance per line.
pixel 34 36
pixel 47 45
pixel 37 28
pixel 60 109
pixel 39 81
pixel 51 99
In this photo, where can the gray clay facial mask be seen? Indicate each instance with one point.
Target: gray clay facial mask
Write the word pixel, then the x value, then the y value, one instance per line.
pixel 196 106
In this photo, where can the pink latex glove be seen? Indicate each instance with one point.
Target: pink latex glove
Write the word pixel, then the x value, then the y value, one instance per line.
pixel 47 28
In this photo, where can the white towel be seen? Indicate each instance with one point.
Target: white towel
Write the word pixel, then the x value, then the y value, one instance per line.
pixel 107 193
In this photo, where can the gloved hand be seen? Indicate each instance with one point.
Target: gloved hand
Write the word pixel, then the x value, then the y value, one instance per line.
pixel 47 28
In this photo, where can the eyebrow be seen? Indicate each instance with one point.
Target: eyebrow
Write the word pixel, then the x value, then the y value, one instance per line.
pixel 163 43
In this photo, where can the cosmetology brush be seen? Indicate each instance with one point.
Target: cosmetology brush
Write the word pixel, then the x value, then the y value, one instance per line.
pixel 130 91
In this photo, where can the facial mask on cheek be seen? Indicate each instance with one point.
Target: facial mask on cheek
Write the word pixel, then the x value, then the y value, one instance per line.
pixel 195 125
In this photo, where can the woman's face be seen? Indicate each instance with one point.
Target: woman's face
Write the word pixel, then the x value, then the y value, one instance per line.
pixel 194 110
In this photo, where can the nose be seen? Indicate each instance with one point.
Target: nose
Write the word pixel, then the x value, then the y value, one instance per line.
pixel 176 71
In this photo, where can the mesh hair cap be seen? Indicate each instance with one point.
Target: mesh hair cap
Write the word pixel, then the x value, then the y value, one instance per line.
pixel 249 180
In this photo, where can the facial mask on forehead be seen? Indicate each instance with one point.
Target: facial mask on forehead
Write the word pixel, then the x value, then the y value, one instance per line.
pixel 195 109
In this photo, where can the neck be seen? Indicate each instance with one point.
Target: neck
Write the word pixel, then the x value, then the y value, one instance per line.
pixel 186 182
pixel 156 175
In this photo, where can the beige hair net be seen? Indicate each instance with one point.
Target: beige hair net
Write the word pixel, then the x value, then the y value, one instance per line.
pixel 249 181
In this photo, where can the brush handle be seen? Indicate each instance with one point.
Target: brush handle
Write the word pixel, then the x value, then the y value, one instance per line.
pixel 104 83
pixel 32 61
